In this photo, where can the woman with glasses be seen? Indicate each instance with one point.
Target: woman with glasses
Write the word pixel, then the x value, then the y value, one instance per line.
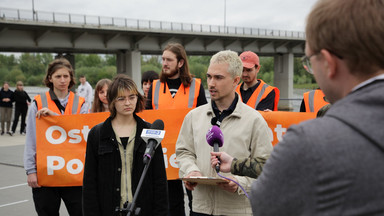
pixel 114 159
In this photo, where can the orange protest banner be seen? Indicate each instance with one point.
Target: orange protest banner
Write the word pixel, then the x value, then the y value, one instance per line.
pixel 60 147
pixel 61 141
pixel 279 121
pixel 173 119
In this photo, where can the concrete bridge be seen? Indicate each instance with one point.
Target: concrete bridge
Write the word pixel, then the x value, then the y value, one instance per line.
pixel 65 34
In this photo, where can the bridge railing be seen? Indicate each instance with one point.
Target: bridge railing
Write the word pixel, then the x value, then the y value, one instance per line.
pixel 100 21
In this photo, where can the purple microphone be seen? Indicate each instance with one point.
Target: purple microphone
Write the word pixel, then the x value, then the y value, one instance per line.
pixel 215 138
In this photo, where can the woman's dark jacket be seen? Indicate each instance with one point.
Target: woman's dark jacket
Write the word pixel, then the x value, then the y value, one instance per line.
pixel 21 98
pixel 102 174
pixel 6 94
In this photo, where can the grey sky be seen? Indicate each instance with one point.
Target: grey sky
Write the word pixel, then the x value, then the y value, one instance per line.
pixel 271 14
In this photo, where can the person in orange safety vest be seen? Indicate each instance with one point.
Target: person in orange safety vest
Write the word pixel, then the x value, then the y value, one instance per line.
pixel 313 101
pixel 174 90
pixel 255 92
pixel 57 101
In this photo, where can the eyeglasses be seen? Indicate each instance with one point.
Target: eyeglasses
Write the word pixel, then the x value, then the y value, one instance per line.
pixel 306 60
pixel 131 98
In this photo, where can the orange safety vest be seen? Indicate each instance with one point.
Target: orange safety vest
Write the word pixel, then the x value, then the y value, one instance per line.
pixel 73 106
pixel 314 100
pixel 184 98
pixel 260 93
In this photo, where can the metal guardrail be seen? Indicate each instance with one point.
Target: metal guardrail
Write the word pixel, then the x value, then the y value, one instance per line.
pixel 100 21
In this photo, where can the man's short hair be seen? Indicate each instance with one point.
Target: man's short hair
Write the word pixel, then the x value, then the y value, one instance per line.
pixel 82 76
pixel 352 30
pixel 235 66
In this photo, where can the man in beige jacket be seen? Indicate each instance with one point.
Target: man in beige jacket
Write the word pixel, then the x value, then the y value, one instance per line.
pixel 246 134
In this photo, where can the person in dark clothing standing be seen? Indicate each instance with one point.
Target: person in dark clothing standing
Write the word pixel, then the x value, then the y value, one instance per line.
pixel 114 159
pixel 22 101
pixel 6 100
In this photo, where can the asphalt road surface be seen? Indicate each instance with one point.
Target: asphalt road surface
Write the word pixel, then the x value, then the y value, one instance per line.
pixel 15 194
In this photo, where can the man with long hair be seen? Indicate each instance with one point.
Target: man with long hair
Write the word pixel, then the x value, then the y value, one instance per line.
pixel 176 89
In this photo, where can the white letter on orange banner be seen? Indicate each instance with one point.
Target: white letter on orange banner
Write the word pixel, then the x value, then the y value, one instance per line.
pixel 73 162
pixel 85 132
pixel 74 135
pixel 49 132
pixel 51 166
pixel 280 131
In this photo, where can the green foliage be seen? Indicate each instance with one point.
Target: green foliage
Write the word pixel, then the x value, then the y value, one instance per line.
pixel 151 63
pixel 3 73
pixel 199 71
pixel 267 77
pixel 15 75
pixel 94 74
pixel 266 70
pixel 91 60
pixel 198 66
pixel 149 67
pixel 30 68
pixel 266 65
pixel 7 62
pixel 301 76
pixel 31 64
pixel 35 80
pixel 110 60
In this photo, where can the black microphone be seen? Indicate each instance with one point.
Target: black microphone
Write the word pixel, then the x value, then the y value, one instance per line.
pixel 152 137
pixel 215 121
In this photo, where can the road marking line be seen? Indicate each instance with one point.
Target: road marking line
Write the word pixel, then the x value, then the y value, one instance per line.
pixel 13 186
pixel 8 204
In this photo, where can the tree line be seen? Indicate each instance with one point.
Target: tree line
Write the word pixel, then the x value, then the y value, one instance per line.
pixel 31 67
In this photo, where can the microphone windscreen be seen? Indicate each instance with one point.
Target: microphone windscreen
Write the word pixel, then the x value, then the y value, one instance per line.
pixel 157 125
pixel 215 135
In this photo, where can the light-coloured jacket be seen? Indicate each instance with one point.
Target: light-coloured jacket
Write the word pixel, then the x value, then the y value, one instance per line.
pixel 246 134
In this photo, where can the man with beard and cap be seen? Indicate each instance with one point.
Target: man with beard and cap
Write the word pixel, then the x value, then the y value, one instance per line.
pixel 255 92
pixel 176 89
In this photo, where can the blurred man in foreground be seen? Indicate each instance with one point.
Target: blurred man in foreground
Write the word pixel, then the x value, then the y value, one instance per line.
pixel 333 165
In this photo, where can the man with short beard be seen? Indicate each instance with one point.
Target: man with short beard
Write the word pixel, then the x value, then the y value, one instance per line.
pixel 255 92
pixel 176 89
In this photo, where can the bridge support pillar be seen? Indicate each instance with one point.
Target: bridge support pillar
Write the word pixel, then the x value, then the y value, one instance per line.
pixel 69 57
pixel 129 62
pixel 283 79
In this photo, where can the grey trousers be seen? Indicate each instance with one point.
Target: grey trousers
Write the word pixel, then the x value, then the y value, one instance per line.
pixel 6 116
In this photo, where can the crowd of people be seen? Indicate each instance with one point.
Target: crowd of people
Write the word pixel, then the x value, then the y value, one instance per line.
pixel 329 165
